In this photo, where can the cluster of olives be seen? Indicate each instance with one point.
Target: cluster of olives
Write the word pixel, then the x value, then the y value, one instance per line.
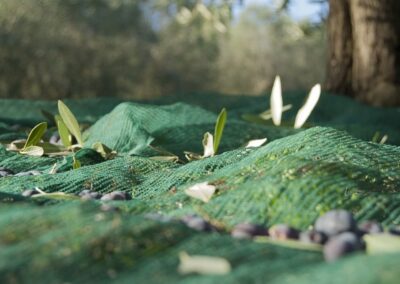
pixel 337 231
pixel 4 172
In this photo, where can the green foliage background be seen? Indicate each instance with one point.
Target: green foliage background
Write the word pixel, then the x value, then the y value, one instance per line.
pixel 137 48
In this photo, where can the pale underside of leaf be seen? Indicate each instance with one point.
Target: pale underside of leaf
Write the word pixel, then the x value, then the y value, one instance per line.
pixel 202 191
pixel 70 121
pixel 276 102
pixel 256 143
pixel 57 196
pixel 384 139
pixel 294 244
pixel 190 156
pixel 205 265
pixel 35 151
pixel 382 243
pixel 208 145
pixel 305 111
pixel 48 148
pixel 173 159
pixel 219 129
pixel 36 135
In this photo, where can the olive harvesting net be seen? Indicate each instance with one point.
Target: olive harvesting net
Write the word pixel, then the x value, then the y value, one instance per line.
pixel 293 179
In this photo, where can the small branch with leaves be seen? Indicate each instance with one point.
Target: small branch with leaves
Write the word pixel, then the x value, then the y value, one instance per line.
pixel 69 131
pixel 211 142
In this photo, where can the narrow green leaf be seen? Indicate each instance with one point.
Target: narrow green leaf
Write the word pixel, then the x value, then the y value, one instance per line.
pixel 76 164
pixel 70 121
pixel 34 151
pixel 63 131
pixel 36 134
pixel 219 129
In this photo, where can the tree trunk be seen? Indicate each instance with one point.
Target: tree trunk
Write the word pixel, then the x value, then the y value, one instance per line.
pixel 340 48
pixel 371 73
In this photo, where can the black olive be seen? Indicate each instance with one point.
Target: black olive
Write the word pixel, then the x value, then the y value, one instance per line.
pixel 248 231
pixel 335 222
pixel 283 232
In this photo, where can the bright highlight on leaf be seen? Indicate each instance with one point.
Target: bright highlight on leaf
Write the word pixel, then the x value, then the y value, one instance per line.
pixel 206 265
pixel 34 151
pixel 219 129
pixel 70 121
pixel 36 135
pixel 305 111
pixel 202 191
pixel 256 143
pixel 276 102
pixel 384 139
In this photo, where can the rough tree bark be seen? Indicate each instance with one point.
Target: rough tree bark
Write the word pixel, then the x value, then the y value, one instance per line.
pixel 364 54
pixel 340 48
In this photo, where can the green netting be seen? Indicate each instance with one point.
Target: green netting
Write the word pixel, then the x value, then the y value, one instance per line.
pixel 297 176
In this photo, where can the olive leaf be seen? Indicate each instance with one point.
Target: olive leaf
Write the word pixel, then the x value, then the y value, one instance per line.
pixel 202 191
pixel 382 243
pixel 266 115
pixel 76 163
pixel 36 135
pixel 70 121
pixel 305 111
pixel 384 139
pixel 276 101
pixel 219 129
pixel 210 142
pixel 173 159
pixel 56 196
pixel 201 264
pixel 63 131
pixel 294 244
pixel 50 148
pixel 208 145
pixel 104 151
pixel 256 143
pixel 190 156
pixel 35 151
pixel 16 145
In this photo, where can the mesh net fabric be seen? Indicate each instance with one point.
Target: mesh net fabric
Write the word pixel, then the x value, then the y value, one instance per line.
pixel 297 176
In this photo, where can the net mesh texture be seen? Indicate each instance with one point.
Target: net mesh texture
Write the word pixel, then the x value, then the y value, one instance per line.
pixel 297 176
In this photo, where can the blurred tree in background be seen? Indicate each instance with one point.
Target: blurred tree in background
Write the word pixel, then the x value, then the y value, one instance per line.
pixel 139 48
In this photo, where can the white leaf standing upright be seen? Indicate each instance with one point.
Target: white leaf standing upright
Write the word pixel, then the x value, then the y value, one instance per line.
pixel 305 111
pixel 208 145
pixel 276 102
